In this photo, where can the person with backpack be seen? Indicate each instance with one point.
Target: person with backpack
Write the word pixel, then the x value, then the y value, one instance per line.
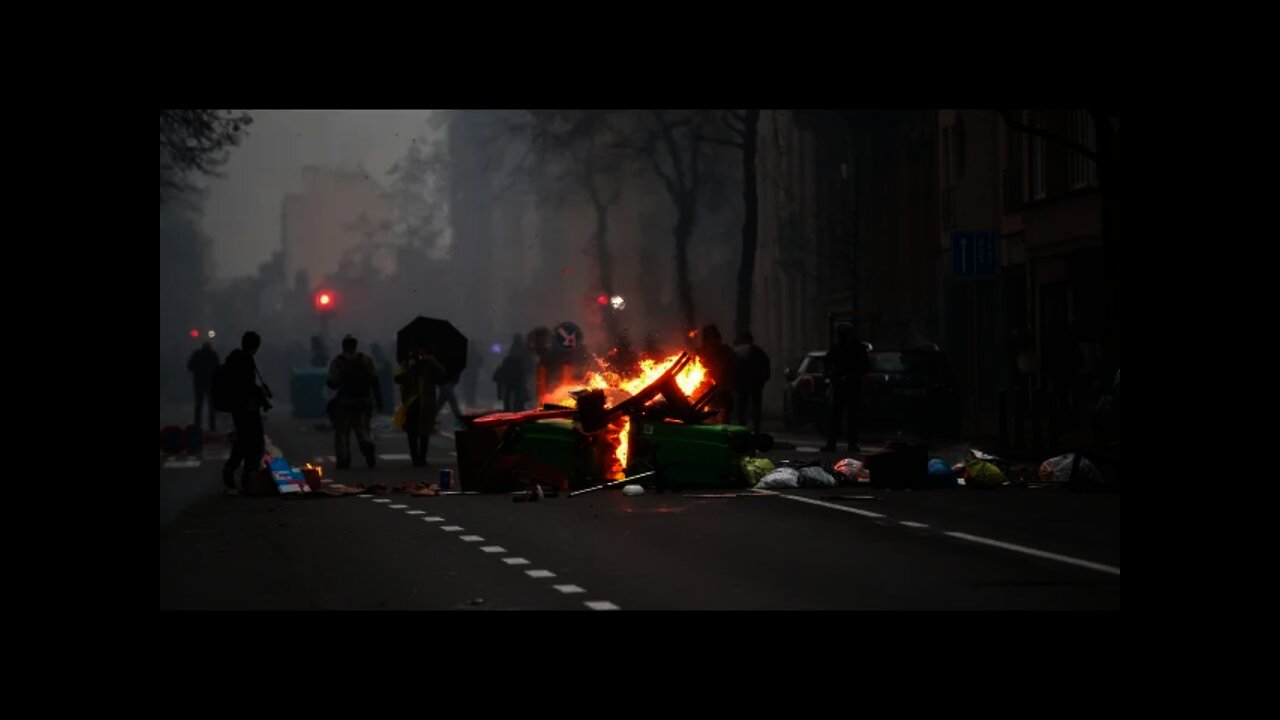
pixel 235 390
pixel 355 380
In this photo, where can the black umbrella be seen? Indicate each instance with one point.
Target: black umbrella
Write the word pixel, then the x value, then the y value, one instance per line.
pixel 438 337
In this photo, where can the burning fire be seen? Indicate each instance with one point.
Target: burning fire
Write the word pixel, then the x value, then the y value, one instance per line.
pixel 617 388
pixel 689 379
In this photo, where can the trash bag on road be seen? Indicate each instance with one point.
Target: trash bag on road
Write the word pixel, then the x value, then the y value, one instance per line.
pixel 1058 470
pixel 781 478
pixel 814 476
pixel 756 468
pixel 983 474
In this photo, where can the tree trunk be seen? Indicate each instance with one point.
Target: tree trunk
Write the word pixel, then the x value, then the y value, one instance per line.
pixel 750 224
pixel 684 286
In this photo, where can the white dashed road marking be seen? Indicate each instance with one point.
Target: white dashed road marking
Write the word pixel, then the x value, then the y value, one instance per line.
pixel 1037 553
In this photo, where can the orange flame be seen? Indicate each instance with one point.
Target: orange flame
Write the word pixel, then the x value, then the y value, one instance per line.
pixel 623 435
pixel 617 388
pixel 689 379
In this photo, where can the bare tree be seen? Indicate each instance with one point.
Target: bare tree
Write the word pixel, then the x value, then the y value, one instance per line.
pixel 419 186
pixel 196 142
pixel 578 149
pixel 743 125
pixel 673 144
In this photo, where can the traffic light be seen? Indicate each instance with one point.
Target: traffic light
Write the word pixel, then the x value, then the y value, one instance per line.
pixel 325 300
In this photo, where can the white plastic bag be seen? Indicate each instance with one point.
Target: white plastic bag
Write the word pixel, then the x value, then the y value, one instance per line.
pixel 814 476
pixel 780 478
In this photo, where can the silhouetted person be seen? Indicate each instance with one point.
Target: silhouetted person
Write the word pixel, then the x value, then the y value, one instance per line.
pixel 417 378
pixel 846 363
pixel 355 380
pixel 722 365
pixel 471 375
pixel 513 376
pixel 201 365
pixel 247 400
pixel 753 373
pixel 382 366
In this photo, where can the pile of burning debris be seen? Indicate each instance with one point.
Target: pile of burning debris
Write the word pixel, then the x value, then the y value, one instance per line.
pixel 654 423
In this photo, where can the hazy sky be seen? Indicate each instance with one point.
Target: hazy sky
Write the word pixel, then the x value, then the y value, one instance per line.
pixel 242 212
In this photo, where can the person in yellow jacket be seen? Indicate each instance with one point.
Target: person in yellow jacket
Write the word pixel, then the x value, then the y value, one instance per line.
pixel 417 378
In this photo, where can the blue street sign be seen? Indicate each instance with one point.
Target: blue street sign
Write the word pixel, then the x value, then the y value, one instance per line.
pixel 975 254
pixel 568 336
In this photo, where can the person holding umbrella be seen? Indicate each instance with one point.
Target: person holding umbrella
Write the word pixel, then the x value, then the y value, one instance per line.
pixel 430 351
pixel 417 377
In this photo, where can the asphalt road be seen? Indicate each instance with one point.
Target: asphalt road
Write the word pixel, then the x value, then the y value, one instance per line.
pixel 831 549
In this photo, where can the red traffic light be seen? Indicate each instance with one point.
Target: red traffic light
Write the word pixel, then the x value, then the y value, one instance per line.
pixel 324 300
pixel 602 300
pixel 195 333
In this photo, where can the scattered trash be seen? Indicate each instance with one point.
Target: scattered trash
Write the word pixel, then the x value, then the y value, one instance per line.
pixel 1023 475
pixel 533 494
pixel 1059 470
pixel 314 476
pixel 784 477
pixel 814 476
pixel 632 490
pixel 614 483
pixel 983 474
pixel 756 468
pixel 848 468
pixel 941 476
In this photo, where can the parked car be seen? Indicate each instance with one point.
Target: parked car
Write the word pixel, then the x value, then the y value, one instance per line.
pixel 804 393
pixel 904 390
pixel 912 390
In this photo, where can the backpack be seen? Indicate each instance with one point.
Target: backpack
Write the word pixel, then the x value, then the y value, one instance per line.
pixel 357 382
pixel 220 395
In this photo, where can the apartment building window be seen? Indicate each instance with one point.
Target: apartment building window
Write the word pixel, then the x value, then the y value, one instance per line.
pixel 1036 168
pixel 1081 171
pixel 1014 192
